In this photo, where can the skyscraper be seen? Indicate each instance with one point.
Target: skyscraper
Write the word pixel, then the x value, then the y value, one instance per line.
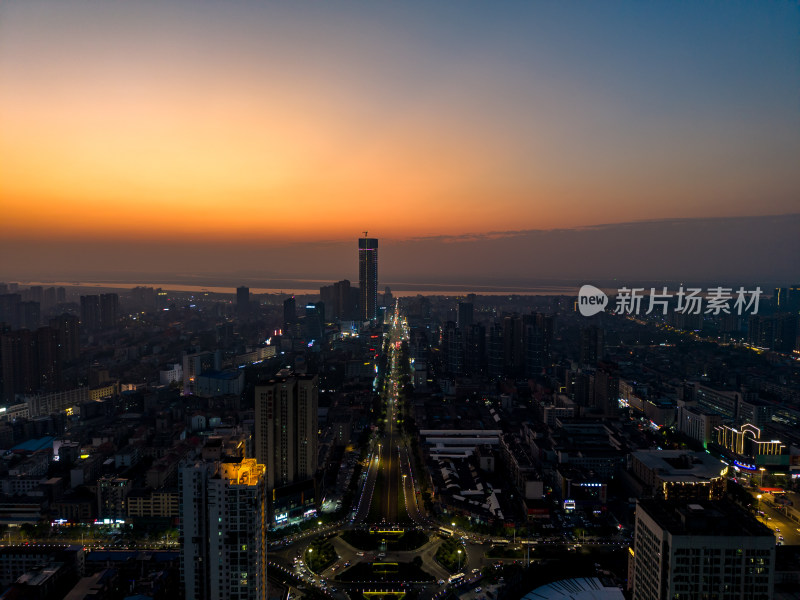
pixel 19 367
pixel 465 312
pixel 592 345
pixel 513 346
pixel 30 361
pixel 475 349
pixel 30 314
pixel 49 298
pixel 223 516
pixel 68 335
pixel 368 277
pixel 289 314
pixel 537 333
pixel 242 301
pixel 314 322
pixel 343 309
pixel 99 312
pixel 109 310
pixel 452 348
pixel 286 428
pixel 10 310
pixel 48 359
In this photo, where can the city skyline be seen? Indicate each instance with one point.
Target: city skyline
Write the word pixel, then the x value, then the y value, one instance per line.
pixel 297 443
pixel 756 250
pixel 202 129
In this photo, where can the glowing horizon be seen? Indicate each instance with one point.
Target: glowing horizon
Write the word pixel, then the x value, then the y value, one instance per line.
pixel 180 121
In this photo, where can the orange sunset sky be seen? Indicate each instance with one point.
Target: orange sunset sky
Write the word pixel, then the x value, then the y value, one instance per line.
pixel 293 121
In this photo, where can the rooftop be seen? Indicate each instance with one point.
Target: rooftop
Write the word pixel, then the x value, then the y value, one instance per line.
pixel 704 518
pixel 34 445
pixel 681 465
pixel 587 588
pixel 222 375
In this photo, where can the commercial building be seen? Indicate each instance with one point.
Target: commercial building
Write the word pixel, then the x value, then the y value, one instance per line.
pixel 721 401
pixel 756 412
pixel 368 278
pixel 678 474
pixel 697 423
pixel 700 550
pixel 749 449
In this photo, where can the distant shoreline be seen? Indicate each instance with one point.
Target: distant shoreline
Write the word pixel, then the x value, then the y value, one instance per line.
pixel 310 287
pixel 301 288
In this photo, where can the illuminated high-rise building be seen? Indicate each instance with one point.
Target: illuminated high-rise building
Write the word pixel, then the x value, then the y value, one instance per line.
pixel 223 517
pixel 368 278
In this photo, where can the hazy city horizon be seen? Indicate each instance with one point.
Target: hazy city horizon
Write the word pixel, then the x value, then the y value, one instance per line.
pixel 759 249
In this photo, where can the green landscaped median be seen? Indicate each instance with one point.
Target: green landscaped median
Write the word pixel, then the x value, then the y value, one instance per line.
pixel 320 555
pixel 452 555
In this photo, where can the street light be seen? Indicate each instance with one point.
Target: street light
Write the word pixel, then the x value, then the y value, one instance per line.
pixel 762 469
pixel 459 559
